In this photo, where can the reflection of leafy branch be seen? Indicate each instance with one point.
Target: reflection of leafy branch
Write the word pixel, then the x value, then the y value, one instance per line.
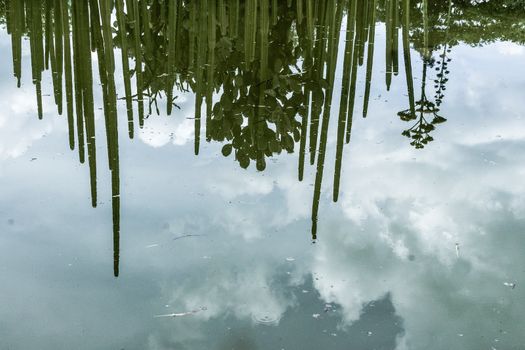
pixel 425 112
pixel 424 109
pixel 442 79
pixel 420 131
pixel 442 69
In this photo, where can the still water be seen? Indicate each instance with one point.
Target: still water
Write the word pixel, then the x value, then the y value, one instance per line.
pixel 262 175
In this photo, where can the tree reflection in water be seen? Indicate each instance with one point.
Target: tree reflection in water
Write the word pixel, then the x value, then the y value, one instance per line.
pixel 262 71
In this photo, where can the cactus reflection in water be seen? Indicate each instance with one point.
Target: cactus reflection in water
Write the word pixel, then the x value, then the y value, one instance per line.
pixel 257 104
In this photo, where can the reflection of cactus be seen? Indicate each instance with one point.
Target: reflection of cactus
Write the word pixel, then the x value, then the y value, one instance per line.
pixel 274 67
pixel 263 72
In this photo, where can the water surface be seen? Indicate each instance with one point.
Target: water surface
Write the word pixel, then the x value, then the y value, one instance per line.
pixel 244 219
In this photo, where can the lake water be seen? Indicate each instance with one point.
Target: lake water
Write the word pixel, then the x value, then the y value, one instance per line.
pixel 203 235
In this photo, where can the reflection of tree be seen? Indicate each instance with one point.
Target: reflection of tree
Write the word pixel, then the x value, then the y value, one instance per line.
pixel 263 72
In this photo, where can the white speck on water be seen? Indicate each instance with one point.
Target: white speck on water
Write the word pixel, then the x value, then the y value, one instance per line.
pixel 328 307
pixel 152 245
pixel 304 291
pixel 316 315
pixel 457 250
pixel 369 333
pixel 333 334
pixel 460 334
pixel 290 259
pixel 510 284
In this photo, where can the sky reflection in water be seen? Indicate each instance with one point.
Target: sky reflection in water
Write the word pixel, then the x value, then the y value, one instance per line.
pixel 415 255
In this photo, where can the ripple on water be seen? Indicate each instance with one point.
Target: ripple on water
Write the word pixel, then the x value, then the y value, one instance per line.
pixel 267 320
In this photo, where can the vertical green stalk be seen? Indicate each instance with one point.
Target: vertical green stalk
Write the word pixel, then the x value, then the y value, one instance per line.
pixel 212 32
pixel 202 45
pixel 86 79
pixel 317 77
pixel 388 51
pixel 395 38
pixel 353 78
pixel 138 60
pixel 370 54
pixel 59 52
pixel 406 55
pixel 333 42
pixel 64 10
pixel 121 22
pixel 343 105
pixel 424 9
pixel 171 35
pixel 105 12
pixel 77 64
pixel 15 26
pixel 299 4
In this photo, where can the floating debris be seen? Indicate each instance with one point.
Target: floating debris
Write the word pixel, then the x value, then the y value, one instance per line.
pixel 328 307
pixel 182 314
pixel 510 284
pixel 152 245
pixel 316 315
pixel 185 236
pixel 290 259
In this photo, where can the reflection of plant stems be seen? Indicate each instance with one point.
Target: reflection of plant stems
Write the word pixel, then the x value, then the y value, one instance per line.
pixel 171 36
pixel 426 51
pixel 317 75
pixel 64 12
pixel 343 106
pixel 134 6
pixel 353 80
pixel 15 26
pixel 121 22
pixel 212 29
pixel 78 90
pixel 395 33
pixel 406 55
pixel 86 79
pixel 335 23
pixel 389 8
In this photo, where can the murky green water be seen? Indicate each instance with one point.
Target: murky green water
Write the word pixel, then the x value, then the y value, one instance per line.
pixel 242 200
